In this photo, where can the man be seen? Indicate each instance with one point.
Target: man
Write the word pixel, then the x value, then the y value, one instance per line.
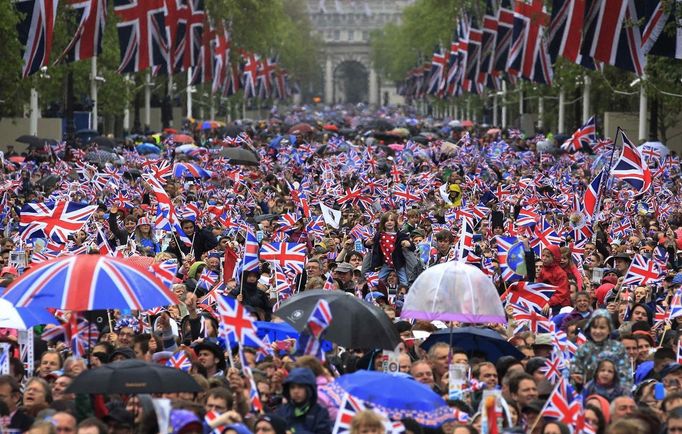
pixel 343 274
pixel 59 387
pixel 422 372
pixel 438 357
pixel 670 377
pixel 675 421
pixel 211 357
pixel 302 412
pixel 630 344
pixel 404 363
pixel 50 361
pixel 65 423
pixel 621 263
pixel 445 251
pixel 523 389
pixel 486 373
pixel 218 399
pixel 125 336
pixel 621 407
pixel 10 395
pixel 92 425
pixel 141 347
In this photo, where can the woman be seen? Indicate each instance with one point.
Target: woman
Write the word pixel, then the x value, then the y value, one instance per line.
pixel 387 245
pixel 552 273
pixel 569 267
pixel 144 237
pixel 249 293
pixel 554 427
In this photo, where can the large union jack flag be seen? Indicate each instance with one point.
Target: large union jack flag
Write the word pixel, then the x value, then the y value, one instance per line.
pixel 141 34
pixel 236 323
pixel 181 361
pixel 87 41
pixel 286 255
pixel 35 31
pixel 528 55
pixel 55 220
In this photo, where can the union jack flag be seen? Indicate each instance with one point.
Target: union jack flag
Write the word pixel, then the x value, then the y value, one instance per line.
pixel 329 284
pixel 527 217
pixel 583 138
pixel 592 195
pixel 642 271
pixel 562 404
pixel 554 365
pixel 249 74
pixel 35 31
pixel 545 236
pixel 531 295
pixel 221 55
pixel 235 321
pixel 286 255
pixel 250 259
pixel 536 323
pixel 528 56
pixel 320 318
pixel 180 361
pixel 676 305
pixel 141 33
pixel 511 256
pixel 631 167
pixel 55 220
pixel 87 41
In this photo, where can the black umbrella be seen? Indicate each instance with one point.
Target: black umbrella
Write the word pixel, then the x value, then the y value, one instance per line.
pixel 104 142
pixel 133 377
pixel 240 156
pixel 475 340
pixel 233 130
pixel 30 140
pixel 48 181
pixel 381 125
pixel 355 323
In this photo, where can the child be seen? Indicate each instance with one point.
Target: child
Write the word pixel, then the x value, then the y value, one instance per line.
pixel 598 331
pixel 387 245
pixel 605 382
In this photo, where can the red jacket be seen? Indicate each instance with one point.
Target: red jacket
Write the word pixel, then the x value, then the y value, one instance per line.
pixel 555 275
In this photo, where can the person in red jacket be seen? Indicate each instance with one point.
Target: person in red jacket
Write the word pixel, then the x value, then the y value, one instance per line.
pixel 552 274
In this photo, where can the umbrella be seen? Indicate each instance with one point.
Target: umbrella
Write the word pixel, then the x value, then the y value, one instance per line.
pixel 381 125
pixel 402 132
pixel 240 156
pixel 398 396
pixel 30 140
pixel 182 138
pixel 104 142
pixel 474 340
pixel 454 291
pixel 209 125
pixel 654 150
pixel 233 130
pixel 301 128
pixel 131 377
pixel 455 123
pixel 147 148
pixel 467 123
pixel 88 282
pixel 493 131
pixel 48 181
pixel 22 318
pixel 355 323
pixel 101 157
pixel 184 149
pixel 331 127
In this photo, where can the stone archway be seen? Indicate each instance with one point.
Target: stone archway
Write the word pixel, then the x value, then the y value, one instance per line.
pixel 351 82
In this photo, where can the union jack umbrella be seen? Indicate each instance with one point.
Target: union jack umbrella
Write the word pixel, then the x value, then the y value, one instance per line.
pixel 21 318
pixel 89 282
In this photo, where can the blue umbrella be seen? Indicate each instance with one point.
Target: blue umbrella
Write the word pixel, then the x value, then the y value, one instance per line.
pixel 189 170
pixel 398 396
pixel 147 148
pixel 475 340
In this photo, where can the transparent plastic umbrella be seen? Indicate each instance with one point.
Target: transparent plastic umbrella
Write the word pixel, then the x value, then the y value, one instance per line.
pixel 454 291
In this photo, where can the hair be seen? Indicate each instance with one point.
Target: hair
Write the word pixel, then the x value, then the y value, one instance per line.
pixel 311 363
pixel 675 396
pixel 563 429
pixel 477 368
pixel 8 380
pixel 444 235
pixel 366 419
pixel 600 416
pixel 469 428
pixel 44 427
pixel 45 385
pixel 94 422
pixel 143 341
pixel 435 347
pixel 61 359
pixel 517 379
pixel 675 413
pixel 624 426
pixel 221 393
pixel 384 218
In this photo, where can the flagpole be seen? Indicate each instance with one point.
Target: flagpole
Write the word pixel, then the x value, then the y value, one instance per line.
pixel 93 92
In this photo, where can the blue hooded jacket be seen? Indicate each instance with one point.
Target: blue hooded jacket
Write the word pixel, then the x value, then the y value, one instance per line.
pixel 314 420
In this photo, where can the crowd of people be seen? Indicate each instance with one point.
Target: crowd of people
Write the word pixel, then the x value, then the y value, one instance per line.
pixel 406 192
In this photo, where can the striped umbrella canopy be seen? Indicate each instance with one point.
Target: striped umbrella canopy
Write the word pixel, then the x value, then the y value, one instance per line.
pixel 89 282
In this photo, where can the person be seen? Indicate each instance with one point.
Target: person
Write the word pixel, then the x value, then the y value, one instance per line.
pixel 438 358
pixel 421 371
pixel 674 425
pixel 606 382
pixel 10 395
pixel 367 422
pixel 552 274
pixel 622 407
pixel 598 330
pixel 92 425
pixel 270 424
pixel 252 294
pixel 211 357
pixel 387 247
pixel 202 241
pixel 37 396
pixel 144 237
pixel 65 423
pixel 554 427
pixel 302 412
pixel 523 389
